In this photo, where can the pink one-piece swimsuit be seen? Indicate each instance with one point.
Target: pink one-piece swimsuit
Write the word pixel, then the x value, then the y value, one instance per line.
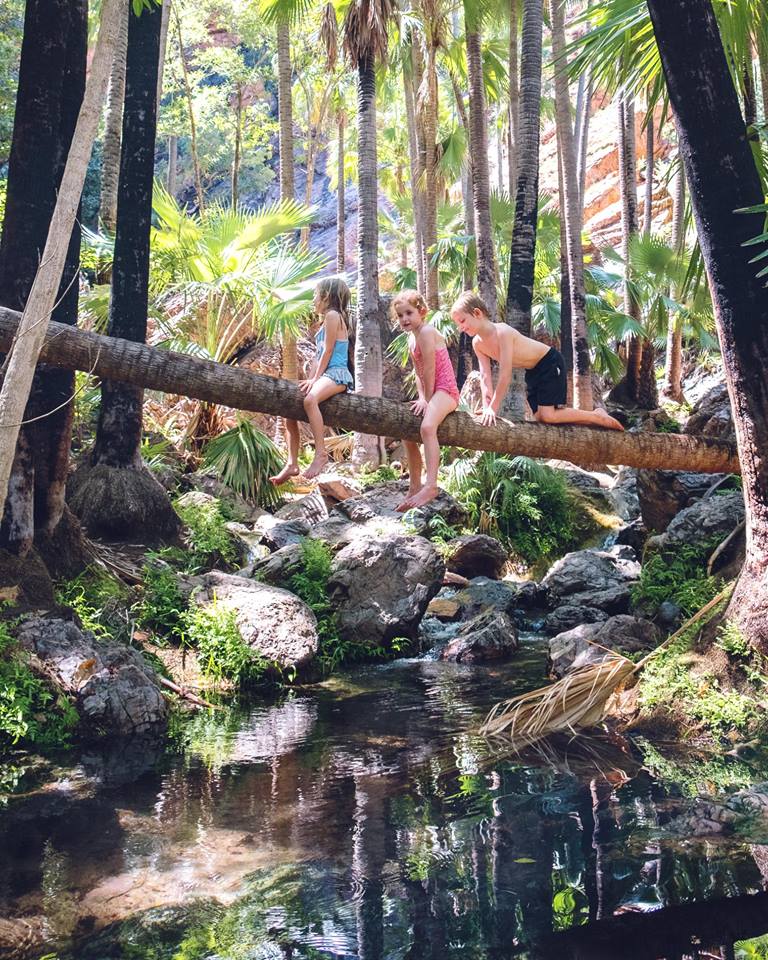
pixel 445 379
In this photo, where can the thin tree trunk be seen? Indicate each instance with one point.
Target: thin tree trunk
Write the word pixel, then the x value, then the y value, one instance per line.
pixel 341 214
pixel 499 150
pixel 428 113
pixel 238 141
pixel 750 99
pixel 566 330
pixel 311 160
pixel 118 435
pixel 368 353
pixel 163 50
pixel 762 49
pixel 20 366
pixel 191 116
pixel 723 179
pixel 285 111
pixel 173 152
pixel 466 184
pixel 673 368
pixel 649 172
pixel 582 368
pixel 523 246
pixel 113 125
pixel 478 146
pixel 514 95
pixel 415 171
pixel 583 138
pixel 50 92
pixel 421 144
pixel 629 229
pixel 177 373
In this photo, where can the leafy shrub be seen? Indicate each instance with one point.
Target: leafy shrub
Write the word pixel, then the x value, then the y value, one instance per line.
pixel 29 710
pixel 222 654
pixel 245 458
pixel 524 504
pixel 161 607
pixel 383 474
pixel 99 601
pixel 209 540
pixel 680 577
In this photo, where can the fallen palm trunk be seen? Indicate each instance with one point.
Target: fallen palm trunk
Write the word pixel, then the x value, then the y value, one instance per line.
pixel 177 373
pixel 580 699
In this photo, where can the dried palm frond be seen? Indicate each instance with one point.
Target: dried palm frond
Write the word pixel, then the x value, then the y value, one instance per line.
pixel 340 445
pixel 577 700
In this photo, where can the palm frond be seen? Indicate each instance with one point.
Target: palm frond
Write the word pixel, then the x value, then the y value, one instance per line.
pixel 245 458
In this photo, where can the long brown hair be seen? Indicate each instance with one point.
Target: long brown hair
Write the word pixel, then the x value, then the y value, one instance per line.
pixel 336 294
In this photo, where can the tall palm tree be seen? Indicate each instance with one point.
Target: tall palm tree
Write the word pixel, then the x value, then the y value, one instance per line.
pixel 582 372
pixel 478 151
pixel 513 71
pixel 523 246
pixel 50 91
pixel 673 388
pixel 723 179
pixel 366 25
pixel 113 493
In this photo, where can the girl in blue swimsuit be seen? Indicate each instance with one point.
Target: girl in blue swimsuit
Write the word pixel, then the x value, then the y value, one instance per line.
pixel 331 375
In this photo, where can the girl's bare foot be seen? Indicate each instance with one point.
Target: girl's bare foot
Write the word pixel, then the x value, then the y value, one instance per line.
pixel 408 502
pixel 607 420
pixel 427 493
pixel 318 464
pixel 288 471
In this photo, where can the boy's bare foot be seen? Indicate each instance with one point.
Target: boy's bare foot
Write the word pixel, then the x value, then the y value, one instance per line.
pixel 288 471
pixel 428 492
pixel 607 420
pixel 318 464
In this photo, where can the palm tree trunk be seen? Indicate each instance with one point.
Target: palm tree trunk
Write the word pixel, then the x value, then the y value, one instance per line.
pixel 20 366
pixel 191 115
pixel 113 125
pixel 415 171
pixel 673 388
pixel 341 214
pixel 50 92
pixel 582 128
pixel 629 229
pixel 723 179
pixel 478 148
pixel 748 90
pixel 177 373
pixel 311 160
pixel 285 111
pixel 368 354
pixel 466 185
pixel 421 145
pixel 582 368
pixel 163 50
pixel 523 246
pixel 762 49
pixel 173 159
pixel 238 142
pixel 566 329
pixel 428 114
pixel 649 171
pixel 514 95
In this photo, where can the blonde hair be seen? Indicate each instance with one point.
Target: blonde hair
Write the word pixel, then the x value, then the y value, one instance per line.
pixel 334 292
pixel 468 301
pixel 413 297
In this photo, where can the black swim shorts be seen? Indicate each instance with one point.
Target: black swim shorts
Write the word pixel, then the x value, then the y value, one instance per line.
pixel 547 384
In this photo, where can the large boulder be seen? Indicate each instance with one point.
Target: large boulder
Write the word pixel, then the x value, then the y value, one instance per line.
pixel 380 588
pixel 588 585
pixel 576 648
pixel 711 416
pixel 664 493
pixel 476 555
pixel 624 495
pixel 278 568
pixel 701 524
pixel 274 623
pixel 116 691
pixel 489 637
pixel 483 594
pixel 277 533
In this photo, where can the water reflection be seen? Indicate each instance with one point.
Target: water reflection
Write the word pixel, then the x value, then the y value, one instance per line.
pixel 364 820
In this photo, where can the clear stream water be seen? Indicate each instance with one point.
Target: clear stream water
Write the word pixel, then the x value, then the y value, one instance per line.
pixel 364 818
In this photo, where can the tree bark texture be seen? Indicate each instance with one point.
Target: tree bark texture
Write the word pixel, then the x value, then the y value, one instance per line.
pixel 118 436
pixel 341 213
pixel 649 171
pixel 478 147
pixel 514 94
pixel 428 107
pixel 368 351
pixel 285 110
pixel 467 193
pixel 722 179
pixel 629 229
pixel 566 330
pixel 571 205
pixel 42 297
pixel 673 387
pixel 416 177
pixel 113 127
pixel 175 373
pixel 50 92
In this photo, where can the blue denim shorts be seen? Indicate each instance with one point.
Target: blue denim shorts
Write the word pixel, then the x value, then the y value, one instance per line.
pixel 340 375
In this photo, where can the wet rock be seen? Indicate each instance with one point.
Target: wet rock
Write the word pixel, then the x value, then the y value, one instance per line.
pixel 248 542
pixel 444 608
pixel 664 493
pixel 711 415
pixel 624 495
pixel 274 623
pixel 530 595
pixel 476 555
pixel 276 533
pixel 381 587
pixel 116 691
pixel 490 636
pixel 669 614
pixel 483 594
pixel 576 647
pixel 433 632
pixel 701 524
pixel 569 616
pixel 634 535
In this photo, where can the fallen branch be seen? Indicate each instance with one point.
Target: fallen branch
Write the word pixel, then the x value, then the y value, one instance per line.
pixel 187 694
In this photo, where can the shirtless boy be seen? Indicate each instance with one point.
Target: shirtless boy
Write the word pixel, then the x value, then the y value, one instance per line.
pixel 545 377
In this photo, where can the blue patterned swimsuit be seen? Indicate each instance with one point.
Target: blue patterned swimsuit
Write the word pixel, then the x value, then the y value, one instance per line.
pixel 338 366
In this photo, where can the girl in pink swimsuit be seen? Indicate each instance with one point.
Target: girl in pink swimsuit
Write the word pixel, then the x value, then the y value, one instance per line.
pixel 438 393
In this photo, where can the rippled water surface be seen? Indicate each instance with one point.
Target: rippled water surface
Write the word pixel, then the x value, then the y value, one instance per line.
pixel 365 819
